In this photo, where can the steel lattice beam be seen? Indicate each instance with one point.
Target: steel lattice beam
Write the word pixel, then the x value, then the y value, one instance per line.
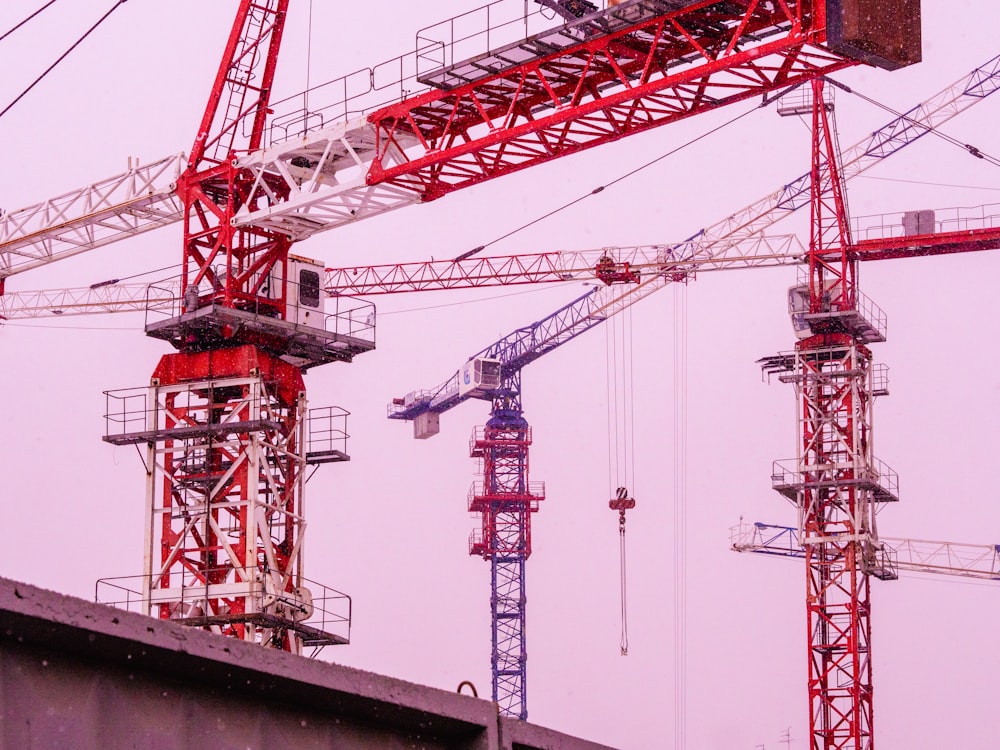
pixel 667 64
pixel 125 205
pixel 979 561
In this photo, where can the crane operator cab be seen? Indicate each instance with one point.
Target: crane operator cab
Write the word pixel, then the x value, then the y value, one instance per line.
pixel 304 292
pixel 798 308
pixel 479 377
pixel 304 303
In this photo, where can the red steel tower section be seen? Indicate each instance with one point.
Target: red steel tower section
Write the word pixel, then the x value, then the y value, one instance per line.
pixel 227 452
pixel 225 418
pixel 835 481
pixel 223 264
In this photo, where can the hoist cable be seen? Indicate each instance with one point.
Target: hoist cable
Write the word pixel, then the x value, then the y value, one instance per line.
pixel 621 536
pixel 19 25
pixel 631 406
pixel 609 374
pixel 621 435
pixel 628 459
pixel 601 188
pixel 680 516
pixel 973 150
pixel 62 57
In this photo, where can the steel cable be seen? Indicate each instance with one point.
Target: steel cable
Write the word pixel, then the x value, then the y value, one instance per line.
pixel 62 57
pixel 22 23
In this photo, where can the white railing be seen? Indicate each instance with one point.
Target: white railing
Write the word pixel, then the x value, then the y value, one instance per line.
pixel 936 221
pixel 468 35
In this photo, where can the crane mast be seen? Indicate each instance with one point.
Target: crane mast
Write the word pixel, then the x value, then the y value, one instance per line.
pixel 225 418
pixel 834 384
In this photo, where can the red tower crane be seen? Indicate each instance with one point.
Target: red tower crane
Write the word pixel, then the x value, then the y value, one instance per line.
pixel 224 419
pixel 840 698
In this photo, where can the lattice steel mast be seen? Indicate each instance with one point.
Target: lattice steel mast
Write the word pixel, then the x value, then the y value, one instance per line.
pixel 836 482
pixel 224 418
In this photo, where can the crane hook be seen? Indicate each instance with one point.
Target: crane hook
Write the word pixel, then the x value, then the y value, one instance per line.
pixel 621 503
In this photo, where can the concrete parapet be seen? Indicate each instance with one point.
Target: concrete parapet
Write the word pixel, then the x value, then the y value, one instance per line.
pixel 74 674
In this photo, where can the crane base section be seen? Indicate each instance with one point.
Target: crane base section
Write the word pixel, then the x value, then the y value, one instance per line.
pixel 228 440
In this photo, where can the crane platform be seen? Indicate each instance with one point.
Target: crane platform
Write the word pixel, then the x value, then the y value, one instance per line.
pixel 215 326
pixel 790 481
pixel 549 42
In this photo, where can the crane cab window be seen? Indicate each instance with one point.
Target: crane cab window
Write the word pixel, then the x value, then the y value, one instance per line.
pixel 308 288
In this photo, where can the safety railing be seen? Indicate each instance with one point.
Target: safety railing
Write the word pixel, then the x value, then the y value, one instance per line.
pixel 349 317
pixel 478 438
pixel 880 379
pixel 126 412
pixel 468 35
pixel 132 415
pixel 873 314
pixel 404 408
pixel 786 476
pixel 936 221
pixel 326 431
pixel 323 610
pixel 476 544
pixel 865 308
pixel 478 495
pixel 480 31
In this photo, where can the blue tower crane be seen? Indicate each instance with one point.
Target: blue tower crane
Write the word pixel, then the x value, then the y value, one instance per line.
pixel 505 498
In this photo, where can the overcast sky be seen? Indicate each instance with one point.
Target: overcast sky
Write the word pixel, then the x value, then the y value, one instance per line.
pixel 390 528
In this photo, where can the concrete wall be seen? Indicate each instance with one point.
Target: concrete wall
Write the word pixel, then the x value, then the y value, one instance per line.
pixel 76 675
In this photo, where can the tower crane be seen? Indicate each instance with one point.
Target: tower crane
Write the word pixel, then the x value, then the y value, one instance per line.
pixel 838 480
pixel 505 498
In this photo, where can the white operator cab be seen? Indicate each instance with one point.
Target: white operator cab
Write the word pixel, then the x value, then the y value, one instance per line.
pixel 479 377
pixel 798 307
pixel 305 295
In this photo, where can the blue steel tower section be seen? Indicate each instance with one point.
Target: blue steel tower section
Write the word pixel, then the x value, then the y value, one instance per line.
pixel 505 500
pixel 505 497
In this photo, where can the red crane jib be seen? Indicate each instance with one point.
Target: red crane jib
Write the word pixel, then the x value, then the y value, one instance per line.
pixel 668 66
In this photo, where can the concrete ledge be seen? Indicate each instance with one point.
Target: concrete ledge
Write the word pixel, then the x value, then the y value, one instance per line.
pixel 520 735
pixel 82 675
